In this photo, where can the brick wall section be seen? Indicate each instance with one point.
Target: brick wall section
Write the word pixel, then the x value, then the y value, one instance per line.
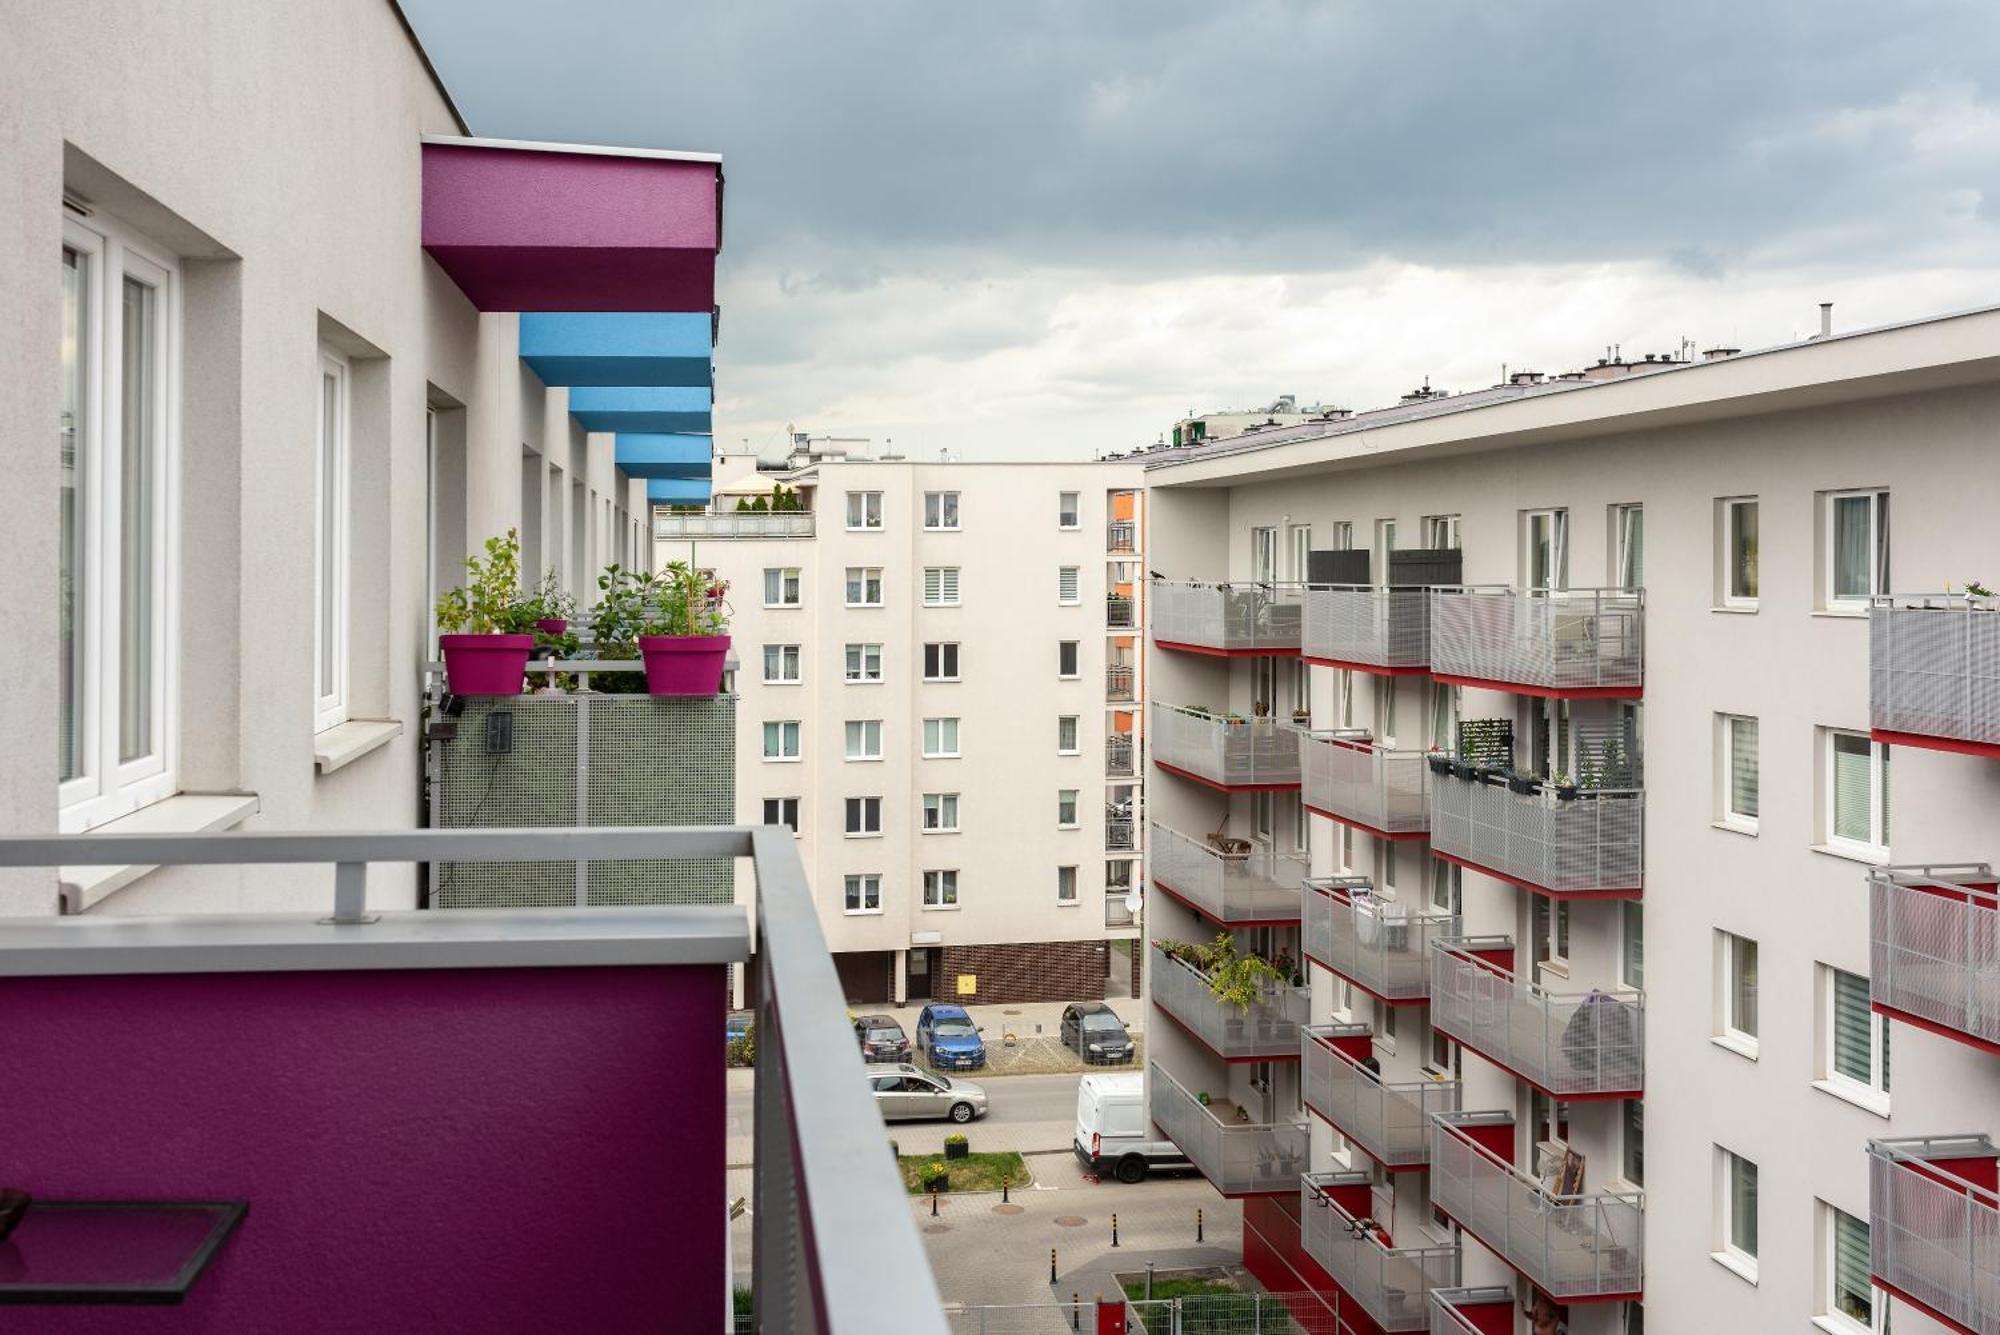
pixel 1034 971
pixel 1137 951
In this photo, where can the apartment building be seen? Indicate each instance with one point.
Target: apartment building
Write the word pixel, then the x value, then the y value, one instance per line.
pixel 1551 726
pixel 939 695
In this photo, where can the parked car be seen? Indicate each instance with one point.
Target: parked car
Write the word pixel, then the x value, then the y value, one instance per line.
pixel 948 1040
pixel 739 1023
pixel 1113 1134
pixel 1094 1030
pixel 881 1039
pixel 906 1094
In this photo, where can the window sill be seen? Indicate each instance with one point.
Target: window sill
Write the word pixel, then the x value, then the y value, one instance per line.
pixel 1737 1266
pixel 781 760
pixel 861 913
pixel 1870 857
pixel 1842 613
pixel 953 830
pixel 345 743
pixel 940 908
pixel 1867 1100
pixel 1835 1324
pixel 1735 827
pixel 1736 1043
pixel 83 888
pixel 1069 903
pixel 861 681
pixel 787 681
pixel 1555 968
pixel 1750 610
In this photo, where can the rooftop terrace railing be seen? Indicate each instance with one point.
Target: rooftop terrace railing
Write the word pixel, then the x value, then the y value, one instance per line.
pixel 1934 935
pixel 1575 643
pixel 1934 671
pixel 1934 1226
pixel 1375 629
pixel 1246 617
pixel 735 524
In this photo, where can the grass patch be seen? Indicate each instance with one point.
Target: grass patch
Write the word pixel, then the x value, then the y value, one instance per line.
pixel 975 1172
pixel 1180 1286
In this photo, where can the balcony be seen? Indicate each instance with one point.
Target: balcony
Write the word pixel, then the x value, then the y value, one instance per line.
pixel 300 1046
pixel 1934 1227
pixel 1935 950
pixel 1118 611
pixel 1224 751
pixel 1392 1284
pixel 1589 1045
pixel 1587 847
pixel 1227 620
pixel 1266 1031
pixel 1485 1310
pixel 1238 1158
pixel 734 524
pixel 1390 1121
pixel 1120 757
pixel 1368 628
pixel 1118 682
pixel 1353 781
pixel 1574 1248
pixel 1117 913
pixel 1250 888
pixel 1121 537
pixel 1574 644
pixel 1120 834
pixel 1934 672
pixel 1379 945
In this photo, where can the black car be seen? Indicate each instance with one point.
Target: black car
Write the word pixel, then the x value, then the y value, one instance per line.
pixel 881 1039
pixel 1097 1034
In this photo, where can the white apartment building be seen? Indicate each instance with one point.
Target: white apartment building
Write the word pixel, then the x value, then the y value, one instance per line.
pixel 1610 996
pixel 938 693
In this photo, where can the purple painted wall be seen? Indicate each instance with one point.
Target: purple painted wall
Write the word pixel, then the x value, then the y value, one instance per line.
pixel 506 1150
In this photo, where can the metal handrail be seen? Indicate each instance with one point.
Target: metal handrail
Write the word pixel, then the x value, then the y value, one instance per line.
pixel 736 524
pixel 1390 1283
pixel 1934 945
pixel 1565 1042
pixel 1933 1235
pixel 1381 944
pixel 1376 1109
pixel 1561 639
pixel 1934 666
pixel 1238 615
pixel 1446 1319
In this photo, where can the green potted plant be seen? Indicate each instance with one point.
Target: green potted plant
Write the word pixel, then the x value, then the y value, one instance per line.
pixel 485 626
pixel 956 1146
pixel 554 606
pixel 936 1178
pixel 675 619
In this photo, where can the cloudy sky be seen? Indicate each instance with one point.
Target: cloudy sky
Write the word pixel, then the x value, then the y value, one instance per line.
pixel 1053 226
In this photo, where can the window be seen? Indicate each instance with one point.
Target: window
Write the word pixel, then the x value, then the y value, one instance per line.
pixel 1441 532
pixel 1264 554
pixel 1848 1301
pixel 1301 537
pixel 1736 1213
pixel 1736 992
pixel 781 587
pixel 1301 826
pixel 864 662
pixel 118 438
pixel 1857 549
pixel 1551 931
pixel 1066 652
pixel 940 813
pixel 1385 542
pixel 781 740
pixel 1299 676
pixel 1545 552
pixel 1068 592
pixel 1385 692
pixel 1632 945
pixel 1066 742
pixel 1628 546
pixel 1066 808
pixel 940 738
pixel 782 811
pixel 1263 815
pixel 1444 715
pixel 1856 779
pixel 941 889
pixel 1447 886
pixel 941 510
pixel 864 893
pixel 781 663
pixel 1737 545
pixel 1065 885
pixel 330 555
pixel 1342 537
pixel 941 661
pixel 864 815
pixel 1853 1041
pixel 1069 512
pixel 940 586
pixel 864 509
pixel 1736 740
pixel 1632 1141
pixel 864 739
pixel 1343 692
pixel 864 586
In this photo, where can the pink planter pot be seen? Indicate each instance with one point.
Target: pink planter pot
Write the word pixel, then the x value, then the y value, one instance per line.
pixel 552 626
pixel 684 664
pixel 485 664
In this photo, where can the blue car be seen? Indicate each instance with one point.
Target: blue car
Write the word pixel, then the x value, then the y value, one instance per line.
pixel 948 1040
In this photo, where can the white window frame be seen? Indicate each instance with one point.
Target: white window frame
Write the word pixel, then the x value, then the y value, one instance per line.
pixel 1729 512
pixel 940 813
pixel 861 893
pixel 788 657
pixel 332 532
pixel 941 512
pixel 1878 550
pixel 1074 725
pixel 1075 651
pixel 1557 520
pixel 1069 586
pixel 858 734
pixel 1872 1093
pixel 1300 538
pixel 1264 553
pixel 1628 559
pixel 1069 510
pixel 1067 805
pixel 937 730
pixel 862 663
pixel 1727 742
pixel 1632 930
pixel 793 823
pixel 1876 847
pixel 1342 538
pixel 1726 1250
pixel 942 646
pixel 108 786
pixel 1552 941
pixel 789 729
pixel 1263 816
pixel 941 586
pixel 791 580
pixel 940 889
pixel 1729 1028
pixel 1444 888
pixel 869 580
pixel 1067 887
pixel 864 511
pixel 1440 532
pixel 1826 1313
pixel 1301 826
pixel 867 806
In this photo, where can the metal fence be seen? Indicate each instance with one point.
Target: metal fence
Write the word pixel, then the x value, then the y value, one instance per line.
pixel 1594 841
pixel 1934 934
pixel 1230 617
pixel 1568 639
pixel 1933 1235
pixel 1364 784
pixel 1118 611
pixel 735 524
pixel 1934 666
pixel 1120 535
pixel 1458 1311
pixel 1268 1028
pixel 1238 1158
pixel 1368 625
pixel 1575 1043
pixel 1390 1283
pixel 1236 1314
pixel 1118 681
pixel 1227 751
pixel 1587 1246
pixel 1391 1121
pixel 1261 885
pixel 1120 757
pixel 1378 944
pixel 1120 834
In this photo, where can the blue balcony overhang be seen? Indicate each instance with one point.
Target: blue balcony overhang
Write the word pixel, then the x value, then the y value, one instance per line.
pixel 627 408
pixel 663 455
pixel 620 348
pixel 677 491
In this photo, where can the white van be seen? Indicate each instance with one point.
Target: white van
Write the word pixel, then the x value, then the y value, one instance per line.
pixel 1113 1136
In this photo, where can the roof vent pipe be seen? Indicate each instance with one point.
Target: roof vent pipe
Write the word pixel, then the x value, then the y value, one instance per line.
pixel 1825 318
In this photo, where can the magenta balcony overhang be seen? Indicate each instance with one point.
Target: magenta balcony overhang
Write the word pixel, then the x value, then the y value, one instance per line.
pixel 525 226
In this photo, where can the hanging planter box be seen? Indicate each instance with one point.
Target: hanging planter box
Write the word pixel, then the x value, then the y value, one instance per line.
pixel 684 664
pixel 485 664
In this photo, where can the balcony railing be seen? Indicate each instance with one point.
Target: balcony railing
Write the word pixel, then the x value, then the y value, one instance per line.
pixel 1118 681
pixel 1590 846
pixel 1389 1120
pixel 1116 912
pixel 1934 1226
pixel 1935 959
pixel 1121 536
pixel 1118 611
pixel 1224 751
pixel 1384 630
pixel 1243 618
pixel 1120 834
pixel 1934 672
pixel 1268 1030
pixel 1471 1311
pixel 1238 1158
pixel 1573 642
pixel 1379 945
pixel 735 524
pixel 1120 758
pixel 1391 1284
pixel 1358 783
pixel 1573 1045
pixel 1233 888
pixel 828 1208
pixel 1571 1247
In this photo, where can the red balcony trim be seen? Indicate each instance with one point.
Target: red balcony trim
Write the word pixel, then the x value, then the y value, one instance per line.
pixel 1386 1001
pixel 1183 647
pixel 1631 1296
pixel 1988 750
pixel 1564 1098
pixel 1374 669
pixel 1421 1166
pixel 1546 692
pixel 1199 910
pixel 1226 787
pixel 1918 1021
pixel 1226 1195
pixel 1365 828
pixel 1530 886
pixel 1185 1028
pixel 1921 1306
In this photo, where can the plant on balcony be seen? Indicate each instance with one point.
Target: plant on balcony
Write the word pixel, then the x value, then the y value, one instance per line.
pixel 1439 762
pixel 676 620
pixel 485 626
pixel 1524 782
pixel 1564 790
pixel 554 606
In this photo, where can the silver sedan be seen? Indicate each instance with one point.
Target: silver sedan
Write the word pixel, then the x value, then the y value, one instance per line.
pixel 906 1094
